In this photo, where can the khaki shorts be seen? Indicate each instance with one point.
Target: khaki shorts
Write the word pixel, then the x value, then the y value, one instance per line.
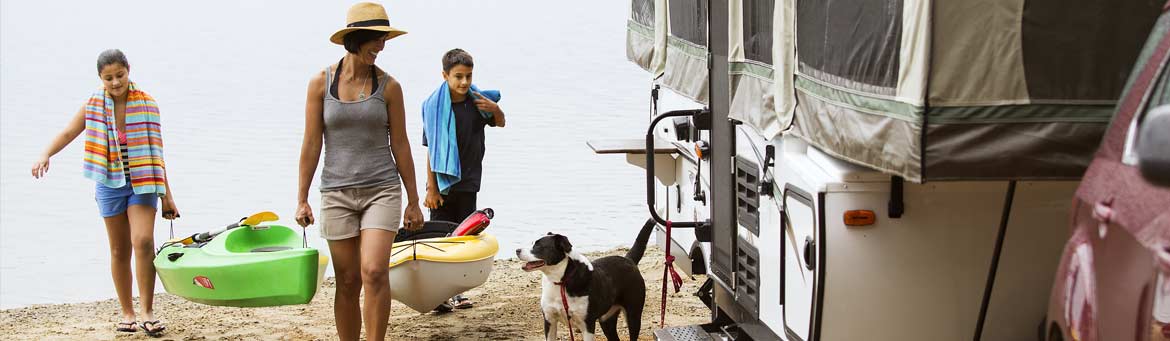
pixel 345 212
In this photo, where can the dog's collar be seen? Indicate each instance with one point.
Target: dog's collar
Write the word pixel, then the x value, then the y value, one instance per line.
pixel 564 282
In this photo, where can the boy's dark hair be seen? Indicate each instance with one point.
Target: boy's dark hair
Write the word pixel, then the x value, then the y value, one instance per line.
pixel 111 56
pixel 354 40
pixel 457 57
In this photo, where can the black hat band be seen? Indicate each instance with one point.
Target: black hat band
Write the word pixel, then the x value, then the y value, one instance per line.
pixel 368 23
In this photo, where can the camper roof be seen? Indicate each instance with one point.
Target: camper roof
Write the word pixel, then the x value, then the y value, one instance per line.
pixel 923 89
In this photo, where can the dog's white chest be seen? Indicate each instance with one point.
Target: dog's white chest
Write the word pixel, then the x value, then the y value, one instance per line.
pixel 554 309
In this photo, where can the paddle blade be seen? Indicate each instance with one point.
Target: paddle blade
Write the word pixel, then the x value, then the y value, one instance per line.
pixel 258 218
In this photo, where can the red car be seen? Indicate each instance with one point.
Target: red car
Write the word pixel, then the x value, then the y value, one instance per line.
pixel 1113 283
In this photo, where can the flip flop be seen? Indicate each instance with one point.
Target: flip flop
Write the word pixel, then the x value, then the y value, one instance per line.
pixel 159 327
pixel 461 302
pixel 444 308
pixel 127 327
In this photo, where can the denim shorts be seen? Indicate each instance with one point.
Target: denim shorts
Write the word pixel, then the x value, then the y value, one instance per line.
pixel 113 201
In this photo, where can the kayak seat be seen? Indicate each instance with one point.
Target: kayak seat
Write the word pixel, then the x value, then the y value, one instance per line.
pixel 271 248
pixel 430 229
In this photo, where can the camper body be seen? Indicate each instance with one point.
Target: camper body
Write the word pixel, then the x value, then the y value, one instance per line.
pixel 910 183
pixel 798 269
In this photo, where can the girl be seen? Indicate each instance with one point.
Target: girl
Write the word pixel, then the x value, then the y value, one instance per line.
pixel 123 154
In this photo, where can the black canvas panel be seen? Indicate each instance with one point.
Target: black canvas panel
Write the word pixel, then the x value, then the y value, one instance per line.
pixel 757 27
pixel 810 32
pixel 858 40
pixel 1043 150
pixel 642 11
pixel 1083 49
pixel 688 20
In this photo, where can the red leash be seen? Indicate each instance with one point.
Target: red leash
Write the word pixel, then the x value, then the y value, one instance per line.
pixel 675 279
pixel 565 302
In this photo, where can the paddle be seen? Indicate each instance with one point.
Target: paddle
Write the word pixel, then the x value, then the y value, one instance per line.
pixel 251 220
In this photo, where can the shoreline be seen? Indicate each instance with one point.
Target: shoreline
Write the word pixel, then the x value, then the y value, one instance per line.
pixel 506 308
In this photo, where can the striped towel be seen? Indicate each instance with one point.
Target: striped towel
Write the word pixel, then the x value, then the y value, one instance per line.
pixel 103 160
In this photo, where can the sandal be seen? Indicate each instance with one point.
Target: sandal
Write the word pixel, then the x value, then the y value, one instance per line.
pixel 153 328
pixel 461 302
pixel 444 307
pixel 127 327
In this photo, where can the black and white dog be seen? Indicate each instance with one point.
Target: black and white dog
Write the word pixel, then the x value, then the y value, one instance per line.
pixel 596 291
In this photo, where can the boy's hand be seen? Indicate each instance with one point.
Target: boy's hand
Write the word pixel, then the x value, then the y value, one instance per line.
pixel 433 200
pixel 485 104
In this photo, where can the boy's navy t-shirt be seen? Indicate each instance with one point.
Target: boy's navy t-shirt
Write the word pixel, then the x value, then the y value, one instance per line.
pixel 469 126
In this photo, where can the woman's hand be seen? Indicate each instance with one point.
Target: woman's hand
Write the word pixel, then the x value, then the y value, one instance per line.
pixel 413 218
pixel 304 214
pixel 40 167
pixel 169 210
pixel 433 200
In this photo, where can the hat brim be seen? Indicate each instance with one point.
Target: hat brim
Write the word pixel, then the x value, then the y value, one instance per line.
pixel 391 32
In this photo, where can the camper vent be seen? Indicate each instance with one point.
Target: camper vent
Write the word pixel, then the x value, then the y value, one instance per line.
pixel 747 195
pixel 747 276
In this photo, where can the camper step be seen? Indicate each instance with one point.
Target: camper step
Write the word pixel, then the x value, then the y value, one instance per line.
pixel 683 333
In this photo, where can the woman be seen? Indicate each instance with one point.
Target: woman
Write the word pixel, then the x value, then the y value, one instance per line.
pixel 123 154
pixel 352 105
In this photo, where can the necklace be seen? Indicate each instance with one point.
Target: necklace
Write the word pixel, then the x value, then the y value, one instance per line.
pixel 362 89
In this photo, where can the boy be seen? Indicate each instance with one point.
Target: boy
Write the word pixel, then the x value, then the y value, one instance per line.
pixel 454 117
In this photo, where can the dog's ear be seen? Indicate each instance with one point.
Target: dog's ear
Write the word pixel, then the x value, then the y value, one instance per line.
pixel 563 243
pixel 549 234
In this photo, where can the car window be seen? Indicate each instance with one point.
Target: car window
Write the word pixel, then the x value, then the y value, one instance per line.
pixel 1159 96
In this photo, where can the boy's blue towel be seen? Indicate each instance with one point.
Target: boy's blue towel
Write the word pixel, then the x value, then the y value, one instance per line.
pixel 439 127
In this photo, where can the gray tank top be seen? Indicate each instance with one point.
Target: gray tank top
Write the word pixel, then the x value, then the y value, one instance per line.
pixel 357 141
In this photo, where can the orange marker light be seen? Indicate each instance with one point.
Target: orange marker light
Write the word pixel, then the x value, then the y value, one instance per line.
pixel 859 218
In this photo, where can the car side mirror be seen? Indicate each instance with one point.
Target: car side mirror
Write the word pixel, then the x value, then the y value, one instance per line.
pixel 1153 146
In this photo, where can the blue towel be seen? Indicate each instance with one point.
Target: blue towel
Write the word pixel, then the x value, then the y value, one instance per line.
pixel 439 128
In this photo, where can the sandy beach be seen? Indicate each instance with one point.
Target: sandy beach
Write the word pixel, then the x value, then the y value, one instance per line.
pixel 507 308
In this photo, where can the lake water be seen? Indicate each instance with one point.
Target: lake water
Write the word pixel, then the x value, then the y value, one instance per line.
pixel 230 78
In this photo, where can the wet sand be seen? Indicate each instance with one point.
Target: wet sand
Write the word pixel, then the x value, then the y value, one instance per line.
pixel 506 308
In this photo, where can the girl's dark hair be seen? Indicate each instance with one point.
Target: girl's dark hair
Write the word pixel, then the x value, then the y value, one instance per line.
pixel 354 40
pixel 111 56
pixel 457 57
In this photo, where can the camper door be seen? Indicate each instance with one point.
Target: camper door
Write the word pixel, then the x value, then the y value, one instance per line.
pixel 801 257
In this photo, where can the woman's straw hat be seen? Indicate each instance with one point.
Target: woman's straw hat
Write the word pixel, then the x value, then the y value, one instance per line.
pixel 366 16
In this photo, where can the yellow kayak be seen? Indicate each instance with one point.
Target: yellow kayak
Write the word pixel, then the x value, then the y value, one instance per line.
pixel 426 272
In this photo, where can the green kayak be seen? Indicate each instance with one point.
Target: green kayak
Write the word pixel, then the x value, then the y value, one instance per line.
pixel 247 266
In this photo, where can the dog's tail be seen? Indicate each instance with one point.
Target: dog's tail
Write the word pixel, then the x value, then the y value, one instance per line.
pixel 639 247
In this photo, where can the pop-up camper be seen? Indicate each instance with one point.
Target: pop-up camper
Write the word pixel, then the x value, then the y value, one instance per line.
pixel 875 169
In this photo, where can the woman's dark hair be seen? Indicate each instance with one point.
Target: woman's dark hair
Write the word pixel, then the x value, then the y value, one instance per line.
pixel 111 56
pixel 354 40
pixel 457 57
